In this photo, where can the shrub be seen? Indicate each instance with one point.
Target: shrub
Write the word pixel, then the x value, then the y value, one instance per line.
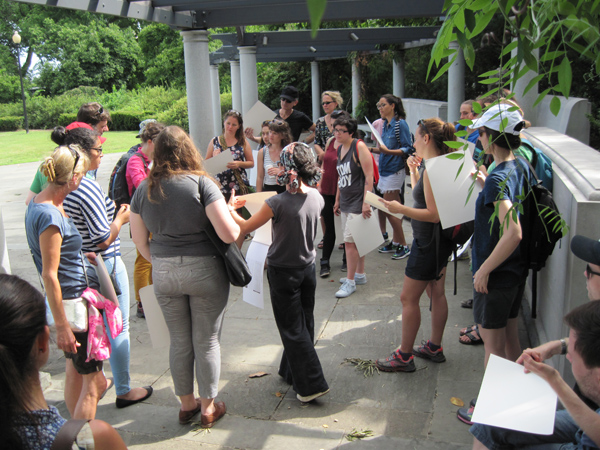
pixel 177 114
pixel 11 123
pixel 226 102
pixel 66 118
pixel 127 120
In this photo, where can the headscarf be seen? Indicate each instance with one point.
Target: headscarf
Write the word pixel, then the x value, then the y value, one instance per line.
pixel 288 175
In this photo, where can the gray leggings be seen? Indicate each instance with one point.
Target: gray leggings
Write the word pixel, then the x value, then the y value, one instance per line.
pixel 192 292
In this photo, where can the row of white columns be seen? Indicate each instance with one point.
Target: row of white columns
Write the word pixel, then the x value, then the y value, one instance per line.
pixel 203 94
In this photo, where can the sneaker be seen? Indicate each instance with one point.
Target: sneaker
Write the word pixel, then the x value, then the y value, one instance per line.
pixel 423 351
pixel 325 271
pixel 395 363
pixel 346 290
pixel 385 237
pixel 140 311
pixel 310 398
pixel 389 248
pixel 358 279
pixel 401 252
pixel 465 415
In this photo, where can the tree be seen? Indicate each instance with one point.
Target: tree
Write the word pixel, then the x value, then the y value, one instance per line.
pixel 162 50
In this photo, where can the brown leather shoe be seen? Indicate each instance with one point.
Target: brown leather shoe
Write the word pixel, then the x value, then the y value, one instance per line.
pixel 208 420
pixel 186 416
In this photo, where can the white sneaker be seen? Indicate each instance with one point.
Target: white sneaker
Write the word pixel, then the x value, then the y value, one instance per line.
pixel 346 290
pixel 358 279
pixel 310 398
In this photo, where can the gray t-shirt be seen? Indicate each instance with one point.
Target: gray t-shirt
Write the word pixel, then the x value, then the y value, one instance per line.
pixel 295 220
pixel 177 220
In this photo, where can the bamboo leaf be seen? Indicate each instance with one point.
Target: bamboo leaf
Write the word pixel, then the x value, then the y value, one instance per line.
pixel 541 97
pixel 489 80
pixel 316 9
pixel 509 48
pixel 476 108
pixel 465 122
pixel 454 144
pixel 535 80
pixel 555 105
pixel 565 77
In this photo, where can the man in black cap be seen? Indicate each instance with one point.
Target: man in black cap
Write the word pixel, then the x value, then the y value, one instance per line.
pixel 298 121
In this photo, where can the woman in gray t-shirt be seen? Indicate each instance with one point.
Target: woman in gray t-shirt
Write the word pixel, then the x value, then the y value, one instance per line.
pixel 291 266
pixel 176 203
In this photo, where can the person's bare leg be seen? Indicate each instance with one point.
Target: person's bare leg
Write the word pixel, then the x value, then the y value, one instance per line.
pixel 382 218
pixel 352 260
pixel 494 342
pixel 439 309
pixel 94 385
pixel 411 312
pixel 208 405
pixel 478 445
pixel 188 402
pixel 398 235
pixel 73 385
pixel 512 346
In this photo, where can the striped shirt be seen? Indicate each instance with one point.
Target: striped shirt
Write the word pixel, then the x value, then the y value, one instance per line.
pixel 92 213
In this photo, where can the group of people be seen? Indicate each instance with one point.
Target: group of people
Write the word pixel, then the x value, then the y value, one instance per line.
pixel 175 204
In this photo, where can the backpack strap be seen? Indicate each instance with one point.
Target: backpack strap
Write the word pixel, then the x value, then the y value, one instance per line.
pixel 67 434
pixel 533 172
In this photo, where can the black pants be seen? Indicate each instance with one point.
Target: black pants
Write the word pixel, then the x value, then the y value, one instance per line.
pixel 293 300
pixel 329 219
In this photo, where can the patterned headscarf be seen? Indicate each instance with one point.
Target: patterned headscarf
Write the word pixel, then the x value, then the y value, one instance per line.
pixel 288 175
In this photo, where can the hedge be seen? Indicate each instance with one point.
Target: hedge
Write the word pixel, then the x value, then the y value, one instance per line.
pixel 11 123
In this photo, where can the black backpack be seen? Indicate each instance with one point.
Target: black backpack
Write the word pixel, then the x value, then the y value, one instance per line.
pixel 117 186
pixel 542 227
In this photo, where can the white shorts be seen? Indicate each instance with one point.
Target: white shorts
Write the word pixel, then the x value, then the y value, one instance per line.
pixel 390 183
pixel 346 217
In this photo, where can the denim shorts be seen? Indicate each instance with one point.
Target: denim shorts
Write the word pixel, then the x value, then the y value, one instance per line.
pixel 422 263
pixel 492 310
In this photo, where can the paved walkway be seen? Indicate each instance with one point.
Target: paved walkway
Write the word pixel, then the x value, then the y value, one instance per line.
pixel 402 410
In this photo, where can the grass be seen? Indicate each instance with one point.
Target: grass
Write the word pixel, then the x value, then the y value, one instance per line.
pixel 18 147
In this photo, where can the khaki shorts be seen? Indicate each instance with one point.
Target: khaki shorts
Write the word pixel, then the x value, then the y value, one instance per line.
pixel 346 217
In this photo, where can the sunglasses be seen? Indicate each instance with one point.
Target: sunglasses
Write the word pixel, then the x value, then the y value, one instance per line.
pixel 278 122
pixel 76 157
pixel 422 125
pixel 233 112
pixel 589 272
pixel 286 100
pixel 327 103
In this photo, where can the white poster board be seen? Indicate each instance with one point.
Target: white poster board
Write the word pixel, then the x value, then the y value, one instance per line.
pixel 366 233
pixel 218 163
pixel 253 204
pixel 510 398
pixel 159 333
pixel 375 133
pixel 451 192
pixel 255 257
pixel 255 116
pixel 374 200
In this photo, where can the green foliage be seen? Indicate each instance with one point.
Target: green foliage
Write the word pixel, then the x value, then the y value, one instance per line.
pixel 10 87
pixel 11 123
pixel 162 49
pixel 66 118
pixel 127 120
pixel 177 114
pixel 226 103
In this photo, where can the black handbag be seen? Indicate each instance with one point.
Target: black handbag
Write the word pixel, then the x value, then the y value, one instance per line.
pixel 238 271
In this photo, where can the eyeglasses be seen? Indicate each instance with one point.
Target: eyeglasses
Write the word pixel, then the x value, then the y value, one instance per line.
pixel 75 155
pixel 421 124
pixel 381 105
pixel 338 130
pixel 286 100
pixel 99 149
pixel 589 272
pixel 327 103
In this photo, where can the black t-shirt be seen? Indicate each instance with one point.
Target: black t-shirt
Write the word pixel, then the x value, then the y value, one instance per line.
pixel 298 121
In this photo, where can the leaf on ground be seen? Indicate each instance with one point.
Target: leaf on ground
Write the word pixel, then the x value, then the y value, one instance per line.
pixel 279 394
pixel 258 375
pixel 358 434
pixel 325 425
pixel 457 401
pixel 367 366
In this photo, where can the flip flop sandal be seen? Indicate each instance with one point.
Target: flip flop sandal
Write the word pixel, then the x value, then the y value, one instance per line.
pixel 469 329
pixel 320 244
pixel 474 339
pixel 467 304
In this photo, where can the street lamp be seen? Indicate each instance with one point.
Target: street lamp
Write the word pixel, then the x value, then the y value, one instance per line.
pixel 17 40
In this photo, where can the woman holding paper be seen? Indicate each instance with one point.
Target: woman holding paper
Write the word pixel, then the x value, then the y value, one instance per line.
pixel 291 266
pixel 176 203
pixel 99 223
pixel 268 157
pixel 426 266
pixel 55 247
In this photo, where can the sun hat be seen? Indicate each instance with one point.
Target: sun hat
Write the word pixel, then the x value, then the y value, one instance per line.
pixel 289 93
pixel 499 118
pixel 586 249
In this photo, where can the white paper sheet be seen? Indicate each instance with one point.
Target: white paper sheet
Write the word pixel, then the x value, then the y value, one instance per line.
pixel 253 204
pixel 470 145
pixel 255 116
pixel 510 398
pixel 373 200
pixel 255 257
pixel 106 287
pixel 366 233
pixel 218 163
pixel 375 133
pixel 451 192
pixel 252 173
pixel 159 333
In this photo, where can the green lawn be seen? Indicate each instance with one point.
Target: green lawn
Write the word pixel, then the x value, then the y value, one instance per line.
pixel 19 147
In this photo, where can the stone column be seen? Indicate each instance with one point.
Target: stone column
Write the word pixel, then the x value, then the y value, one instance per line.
pixel 316 90
pixel 456 84
pixel 526 101
pixel 248 77
pixel 197 81
pixel 216 98
pixel 398 75
pixel 236 86
pixel 355 87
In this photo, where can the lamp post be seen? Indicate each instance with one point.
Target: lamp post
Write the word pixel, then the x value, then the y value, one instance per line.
pixel 17 40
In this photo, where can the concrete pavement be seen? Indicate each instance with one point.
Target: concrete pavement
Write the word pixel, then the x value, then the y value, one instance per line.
pixel 402 410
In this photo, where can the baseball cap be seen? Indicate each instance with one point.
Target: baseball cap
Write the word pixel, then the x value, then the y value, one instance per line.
pixel 586 249
pixel 289 93
pixel 74 125
pixel 144 124
pixel 494 116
